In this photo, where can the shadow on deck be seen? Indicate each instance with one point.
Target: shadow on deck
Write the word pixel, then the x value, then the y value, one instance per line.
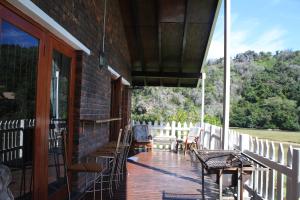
pixel 165 175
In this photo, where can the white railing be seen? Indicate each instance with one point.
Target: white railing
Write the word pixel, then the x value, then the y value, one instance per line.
pixel 11 138
pixel 281 181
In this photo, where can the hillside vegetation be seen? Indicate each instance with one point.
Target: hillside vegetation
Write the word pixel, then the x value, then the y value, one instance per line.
pixel 265 93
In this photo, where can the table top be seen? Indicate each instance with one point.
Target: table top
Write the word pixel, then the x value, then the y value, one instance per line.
pixel 222 159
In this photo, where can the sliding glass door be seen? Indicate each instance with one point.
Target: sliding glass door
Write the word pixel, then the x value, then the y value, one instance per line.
pixel 59 119
pixel 37 73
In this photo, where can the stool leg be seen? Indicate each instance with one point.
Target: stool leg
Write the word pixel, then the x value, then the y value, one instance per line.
pixel 94 186
pixel 101 179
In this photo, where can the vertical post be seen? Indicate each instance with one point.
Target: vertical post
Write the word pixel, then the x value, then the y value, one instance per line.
pixel 56 95
pixel 221 185
pixel 173 131
pixel 296 174
pixel 202 99
pixel 279 175
pixel 244 145
pixel 289 179
pixel 226 98
pixel 244 142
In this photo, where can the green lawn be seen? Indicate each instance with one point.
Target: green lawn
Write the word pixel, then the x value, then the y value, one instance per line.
pixel 280 136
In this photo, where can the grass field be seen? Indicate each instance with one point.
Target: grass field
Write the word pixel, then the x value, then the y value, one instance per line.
pixel 274 135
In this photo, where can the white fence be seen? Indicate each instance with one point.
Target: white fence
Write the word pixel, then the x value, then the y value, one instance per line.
pixel 281 181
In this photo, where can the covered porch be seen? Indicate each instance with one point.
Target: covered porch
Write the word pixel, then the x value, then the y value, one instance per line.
pixel 92 63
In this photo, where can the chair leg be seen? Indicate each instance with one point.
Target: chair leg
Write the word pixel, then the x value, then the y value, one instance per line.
pixel 68 186
pixel 101 183
pixel 185 147
pixel 94 186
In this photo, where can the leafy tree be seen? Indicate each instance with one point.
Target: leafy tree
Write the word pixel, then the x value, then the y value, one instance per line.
pixel 265 93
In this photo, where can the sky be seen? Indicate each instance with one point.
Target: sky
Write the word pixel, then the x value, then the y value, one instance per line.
pixel 259 25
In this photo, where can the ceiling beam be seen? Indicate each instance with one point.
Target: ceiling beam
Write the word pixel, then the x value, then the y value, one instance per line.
pixel 165 75
pixel 137 32
pixel 184 35
pixel 158 34
pixel 185 27
pixel 157 7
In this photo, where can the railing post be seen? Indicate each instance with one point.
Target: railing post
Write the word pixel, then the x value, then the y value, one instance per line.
pixel 289 180
pixel 212 137
pixel 296 174
pixel 244 142
pixel 244 145
pixel 173 131
pixel 271 194
pixel 161 130
pixel 22 126
pixel 180 135
pixel 279 175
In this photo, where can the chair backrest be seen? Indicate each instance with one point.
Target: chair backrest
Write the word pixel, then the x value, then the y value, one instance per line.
pixel 141 133
pixel 119 139
pixel 194 132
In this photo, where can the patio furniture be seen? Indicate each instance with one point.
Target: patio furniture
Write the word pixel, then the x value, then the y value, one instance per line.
pixel 190 140
pixel 230 167
pixel 109 150
pixel 94 167
pixel 142 137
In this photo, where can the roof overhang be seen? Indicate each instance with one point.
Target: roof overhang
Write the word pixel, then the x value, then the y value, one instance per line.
pixel 168 40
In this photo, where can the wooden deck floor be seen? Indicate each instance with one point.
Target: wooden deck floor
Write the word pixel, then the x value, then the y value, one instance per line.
pixel 163 175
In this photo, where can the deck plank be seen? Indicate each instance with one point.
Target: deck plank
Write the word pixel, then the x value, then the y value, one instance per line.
pixel 163 175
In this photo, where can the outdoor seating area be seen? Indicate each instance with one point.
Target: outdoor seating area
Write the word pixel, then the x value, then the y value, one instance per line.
pixel 161 174
pixel 107 165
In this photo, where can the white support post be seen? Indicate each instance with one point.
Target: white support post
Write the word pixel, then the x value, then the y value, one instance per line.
pixel 226 98
pixel 296 174
pixel 202 99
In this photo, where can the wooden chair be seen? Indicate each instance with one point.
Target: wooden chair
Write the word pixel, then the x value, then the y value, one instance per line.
pixel 192 138
pixel 141 136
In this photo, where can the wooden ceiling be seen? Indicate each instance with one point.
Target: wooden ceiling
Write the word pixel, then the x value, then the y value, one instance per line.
pixel 168 39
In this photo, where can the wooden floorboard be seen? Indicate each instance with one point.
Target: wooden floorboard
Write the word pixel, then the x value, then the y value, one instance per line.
pixel 162 175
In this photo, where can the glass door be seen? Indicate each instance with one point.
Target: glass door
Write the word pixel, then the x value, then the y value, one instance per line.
pixel 19 61
pixel 61 92
pixel 36 104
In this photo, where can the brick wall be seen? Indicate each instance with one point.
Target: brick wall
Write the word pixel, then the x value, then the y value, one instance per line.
pixel 84 20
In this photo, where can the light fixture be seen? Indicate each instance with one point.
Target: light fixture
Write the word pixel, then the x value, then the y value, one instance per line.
pixel 102 60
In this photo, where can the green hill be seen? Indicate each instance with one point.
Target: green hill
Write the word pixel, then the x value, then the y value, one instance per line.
pixel 265 93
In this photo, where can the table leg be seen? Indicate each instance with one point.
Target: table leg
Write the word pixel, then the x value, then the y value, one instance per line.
pixel 241 185
pixel 203 195
pixel 221 185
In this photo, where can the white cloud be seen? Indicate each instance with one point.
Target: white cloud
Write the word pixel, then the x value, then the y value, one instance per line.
pixel 248 39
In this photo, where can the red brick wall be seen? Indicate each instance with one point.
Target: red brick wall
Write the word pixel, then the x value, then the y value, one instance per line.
pixel 84 20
